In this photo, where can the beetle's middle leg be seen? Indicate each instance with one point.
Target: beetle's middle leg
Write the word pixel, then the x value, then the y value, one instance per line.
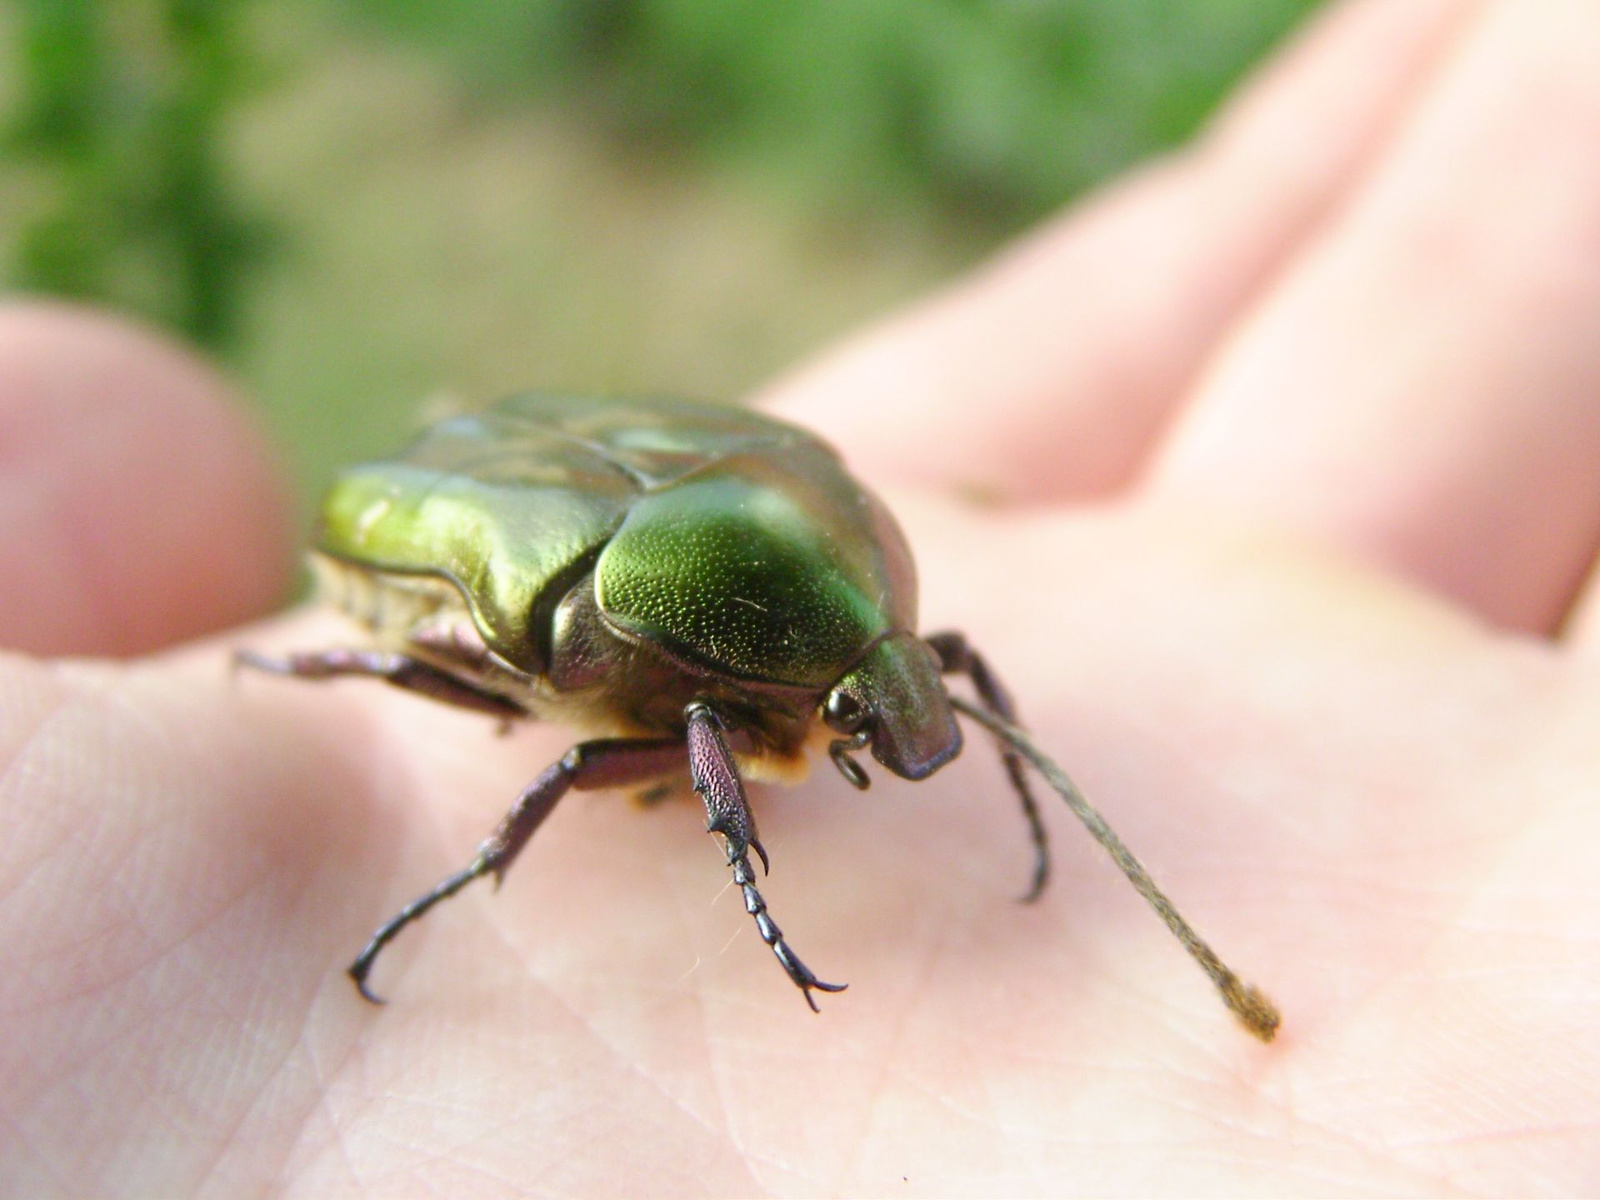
pixel 401 670
pixel 605 763
pixel 716 778
pixel 956 657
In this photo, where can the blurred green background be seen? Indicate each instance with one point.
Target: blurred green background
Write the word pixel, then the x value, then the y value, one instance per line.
pixel 367 206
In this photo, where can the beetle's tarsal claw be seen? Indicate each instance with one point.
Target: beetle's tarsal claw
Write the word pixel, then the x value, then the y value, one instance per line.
pixel 358 972
pixel 816 985
pixel 956 656
pixel 1041 877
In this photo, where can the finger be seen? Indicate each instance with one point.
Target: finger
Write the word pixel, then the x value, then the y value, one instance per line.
pixel 1050 373
pixel 1421 388
pixel 1581 628
pixel 138 504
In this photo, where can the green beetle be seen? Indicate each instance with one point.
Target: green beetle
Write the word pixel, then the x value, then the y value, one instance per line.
pixel 693 586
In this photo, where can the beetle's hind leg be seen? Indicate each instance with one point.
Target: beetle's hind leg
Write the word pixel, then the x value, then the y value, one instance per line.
pixel 611 762
pixel 956 657
pixel 401 670
pixel 716 778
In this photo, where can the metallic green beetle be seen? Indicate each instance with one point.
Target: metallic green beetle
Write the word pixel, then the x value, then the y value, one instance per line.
pixel 690 585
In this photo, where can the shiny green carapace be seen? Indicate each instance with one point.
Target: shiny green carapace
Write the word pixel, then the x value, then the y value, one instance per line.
pixel 738 542
pixel 701 589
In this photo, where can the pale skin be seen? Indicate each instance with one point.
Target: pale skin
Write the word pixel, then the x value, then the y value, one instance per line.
pixel 1289 446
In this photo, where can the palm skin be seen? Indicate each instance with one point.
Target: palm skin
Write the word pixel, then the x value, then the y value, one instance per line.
pixel 1375 809
pixel 1349 753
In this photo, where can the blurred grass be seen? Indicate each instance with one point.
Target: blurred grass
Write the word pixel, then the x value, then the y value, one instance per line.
pixel 366 204
pixel 993 110
pixel 114 119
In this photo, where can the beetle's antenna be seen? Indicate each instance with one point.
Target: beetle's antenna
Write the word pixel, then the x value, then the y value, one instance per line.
pixel 1257 1013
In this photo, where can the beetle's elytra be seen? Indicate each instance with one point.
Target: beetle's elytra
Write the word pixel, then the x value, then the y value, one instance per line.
pixel 695 587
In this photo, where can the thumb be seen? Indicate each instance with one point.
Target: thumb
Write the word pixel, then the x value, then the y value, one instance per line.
pixel 139 505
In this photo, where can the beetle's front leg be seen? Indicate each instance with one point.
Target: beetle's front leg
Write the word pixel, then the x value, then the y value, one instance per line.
pixel 612 762
pixel 728 815
pixel 401 670
pixel 957 657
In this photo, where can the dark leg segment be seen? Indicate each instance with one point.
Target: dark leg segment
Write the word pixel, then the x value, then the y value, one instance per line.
pixel 1246 1001
pixel 728 815
pixel 401 670
pixel 956 657
pixel 598 764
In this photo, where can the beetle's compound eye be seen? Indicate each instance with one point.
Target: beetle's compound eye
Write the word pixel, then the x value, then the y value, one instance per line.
pixel 843 712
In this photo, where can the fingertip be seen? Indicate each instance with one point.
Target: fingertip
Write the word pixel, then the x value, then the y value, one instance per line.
pixel 140 503
pixel 1053 372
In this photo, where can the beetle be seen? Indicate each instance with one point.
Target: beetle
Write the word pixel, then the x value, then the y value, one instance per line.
pixel 695 587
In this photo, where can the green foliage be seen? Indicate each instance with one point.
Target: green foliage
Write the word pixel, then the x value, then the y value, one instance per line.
pixel 120 112
pixel 121 118
pixel 994 110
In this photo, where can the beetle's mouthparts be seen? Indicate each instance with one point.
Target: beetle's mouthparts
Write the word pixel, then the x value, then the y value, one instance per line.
pixel 1255 1012
pixel 840 750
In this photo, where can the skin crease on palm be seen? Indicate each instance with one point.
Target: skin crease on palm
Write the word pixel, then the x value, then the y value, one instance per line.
pixel 1289 448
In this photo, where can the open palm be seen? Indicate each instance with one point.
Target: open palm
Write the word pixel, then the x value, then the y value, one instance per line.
pixel 1286 453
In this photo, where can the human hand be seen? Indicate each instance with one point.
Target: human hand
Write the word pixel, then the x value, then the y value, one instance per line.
pixel 1327 381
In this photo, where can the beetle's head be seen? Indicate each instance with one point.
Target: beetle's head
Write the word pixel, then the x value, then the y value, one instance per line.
pixel 893 702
